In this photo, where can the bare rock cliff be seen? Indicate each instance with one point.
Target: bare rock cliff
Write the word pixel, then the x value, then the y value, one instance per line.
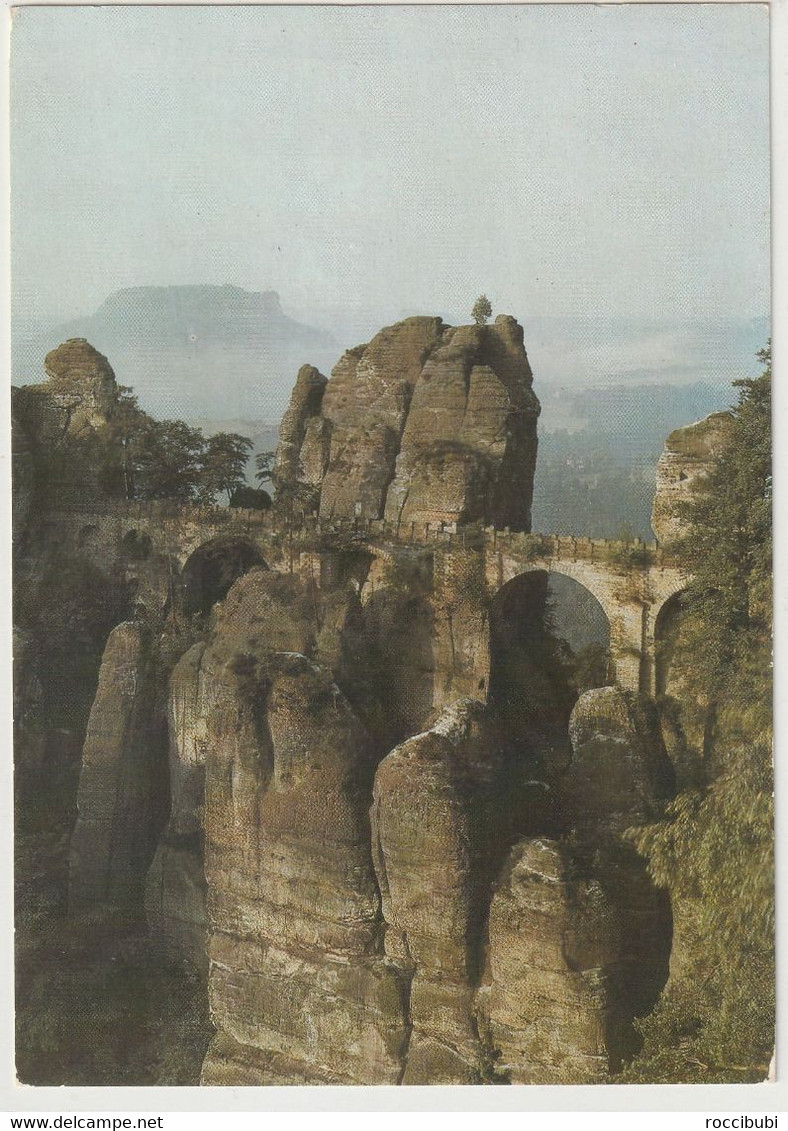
pixel 299 987
pixel 81 382
pixel 120 799
pixel 77 397
pixel 426 423
pixel 688 458
pixel 175 887
pixel 545 1000
pixel 432 845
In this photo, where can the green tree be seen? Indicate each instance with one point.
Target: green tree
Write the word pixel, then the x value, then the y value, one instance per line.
pixel 727 547
pixel 294 498
pixel 714 850
pixel 264 464
pixel 127 423
pixel 482 310
pixel 168 457
pixel 223 467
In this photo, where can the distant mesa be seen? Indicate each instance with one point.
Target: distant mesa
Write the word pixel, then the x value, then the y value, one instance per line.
pixel 195 313
pixel 200 351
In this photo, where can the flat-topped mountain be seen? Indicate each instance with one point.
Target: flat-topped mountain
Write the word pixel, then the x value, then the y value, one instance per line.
pixel 196 314
pixel 193 351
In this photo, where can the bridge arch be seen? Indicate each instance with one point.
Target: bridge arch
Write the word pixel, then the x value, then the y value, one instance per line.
pixel 667 625
pixel 212 568
pixel 621 598
pixel 595 581
pixel 549 641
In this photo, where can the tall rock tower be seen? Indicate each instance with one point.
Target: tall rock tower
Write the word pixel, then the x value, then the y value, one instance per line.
pixel 426 423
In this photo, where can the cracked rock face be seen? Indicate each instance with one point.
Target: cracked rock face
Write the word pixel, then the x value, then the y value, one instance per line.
pixel 426 423
pixel 175 887
pixel 619 770
pixel 688 457
pixel 296 969
pixel 299 988
pixel 545 999
pixel 415 919
pixel 431 845
pixel 119 799
pixel 22 473
pixel 81 383
pixel 619 777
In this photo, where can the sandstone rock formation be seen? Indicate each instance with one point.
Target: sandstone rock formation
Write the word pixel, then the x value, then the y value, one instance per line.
pixel 545 1002
pixel 299 988
pixel 688 457
pixel 62 416
pixel 391 944
pixel 392 852
pixel 426 423
pixel 296 975
pixel 433 836
pixel 296 972
pixel 619 772
pixel 620 777
pixel 81 383
pixel 350 945
pixel 300 420
pixel 175 887
pixel 468 451
pixel 121 784
pixel 78 396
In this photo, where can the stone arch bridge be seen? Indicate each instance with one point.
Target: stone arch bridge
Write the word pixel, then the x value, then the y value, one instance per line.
pixel 632 581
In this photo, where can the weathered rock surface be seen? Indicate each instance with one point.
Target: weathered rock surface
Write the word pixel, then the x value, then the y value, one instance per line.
pixel 294 945
pixel 619 772
pixel 544 1005
pixel 460 628
pixel 468 909
pixel 303 410
pixel 620 778
pixel 468 451
pixel 426 423
pixel 29 738
pixel 348 949
pixel 175 888
pixel 299 987
pixel 122 783
pixel 74 405
pixel 78 396
pixel 433 845
pixel 688 458
pixel 366 404
pixel 82 384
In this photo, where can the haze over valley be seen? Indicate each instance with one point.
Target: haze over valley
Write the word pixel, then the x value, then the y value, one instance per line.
pixel 224 359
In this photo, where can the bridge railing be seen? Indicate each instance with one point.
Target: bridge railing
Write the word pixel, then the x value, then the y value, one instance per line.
pixel 161 509
pixel 629 554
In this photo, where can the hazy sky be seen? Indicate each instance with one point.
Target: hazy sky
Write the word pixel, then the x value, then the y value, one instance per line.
pixel 572 161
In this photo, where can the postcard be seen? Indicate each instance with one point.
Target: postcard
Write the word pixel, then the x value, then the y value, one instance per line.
pixel 392 545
